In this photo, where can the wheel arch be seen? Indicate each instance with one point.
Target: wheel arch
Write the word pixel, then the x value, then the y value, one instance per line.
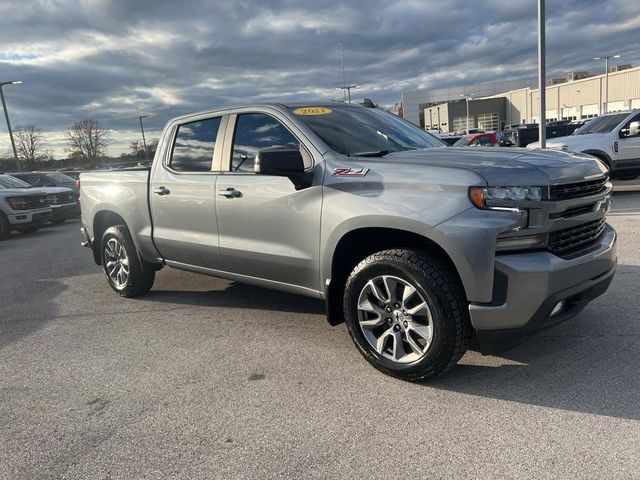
pixel 600 155
pixel 359 243
pixel 103 220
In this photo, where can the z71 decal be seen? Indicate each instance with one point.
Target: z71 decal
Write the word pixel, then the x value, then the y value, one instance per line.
pixel 349 172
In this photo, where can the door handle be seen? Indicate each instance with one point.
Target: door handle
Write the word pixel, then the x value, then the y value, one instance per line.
pixel 230 193
pixel 161 191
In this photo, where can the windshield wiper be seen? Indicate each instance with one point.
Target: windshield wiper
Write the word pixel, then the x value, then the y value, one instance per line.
pixel 379 153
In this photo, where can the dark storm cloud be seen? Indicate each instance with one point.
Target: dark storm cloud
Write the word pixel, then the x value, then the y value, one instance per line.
pixel 112 60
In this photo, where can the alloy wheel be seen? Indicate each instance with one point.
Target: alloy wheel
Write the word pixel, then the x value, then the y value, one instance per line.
pixel 116 263
pixel 395 319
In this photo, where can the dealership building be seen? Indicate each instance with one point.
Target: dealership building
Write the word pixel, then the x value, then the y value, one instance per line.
pixel 575 96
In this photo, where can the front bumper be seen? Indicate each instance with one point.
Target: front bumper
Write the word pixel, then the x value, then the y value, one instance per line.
pixel 65 212
pixel 29 218
pixel 529 287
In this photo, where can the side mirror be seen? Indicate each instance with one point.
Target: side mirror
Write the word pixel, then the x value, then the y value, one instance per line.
pixel 630 130
pixel 283 163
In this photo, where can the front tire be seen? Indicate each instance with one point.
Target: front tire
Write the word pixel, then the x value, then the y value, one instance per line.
pixel 121 264
pixel 407 313
pixel 5 227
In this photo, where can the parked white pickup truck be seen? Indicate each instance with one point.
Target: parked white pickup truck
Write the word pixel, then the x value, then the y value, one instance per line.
pixel 614 138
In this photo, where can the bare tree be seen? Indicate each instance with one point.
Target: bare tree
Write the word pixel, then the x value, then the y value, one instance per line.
pixel 87 141
pixel 30 145
pixel 137 149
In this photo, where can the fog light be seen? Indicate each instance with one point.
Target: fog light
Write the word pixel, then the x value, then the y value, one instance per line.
pixel 521 243
pixel 558 308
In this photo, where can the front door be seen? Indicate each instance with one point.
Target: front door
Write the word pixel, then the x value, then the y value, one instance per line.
pixel 267 228
pixel 182 195
pixel 629 145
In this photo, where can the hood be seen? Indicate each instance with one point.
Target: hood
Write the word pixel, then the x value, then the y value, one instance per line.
pixel 507 166
pixel 23 191
pixel 50 190
pixel 574 140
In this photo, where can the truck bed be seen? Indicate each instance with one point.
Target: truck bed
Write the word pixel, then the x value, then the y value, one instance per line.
pixel 125 193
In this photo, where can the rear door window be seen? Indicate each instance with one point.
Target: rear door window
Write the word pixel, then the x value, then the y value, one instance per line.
pixel 194 146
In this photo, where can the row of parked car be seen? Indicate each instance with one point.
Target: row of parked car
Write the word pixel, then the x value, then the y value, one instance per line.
pixel 613 138
pixel 29 200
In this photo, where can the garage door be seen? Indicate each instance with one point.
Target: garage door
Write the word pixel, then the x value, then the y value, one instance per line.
pixel 570 113
pixel 589 111
pixel 615 106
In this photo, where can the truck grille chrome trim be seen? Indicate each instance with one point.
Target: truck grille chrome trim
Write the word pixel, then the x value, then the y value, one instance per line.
pixel 567 241
pixel 579 189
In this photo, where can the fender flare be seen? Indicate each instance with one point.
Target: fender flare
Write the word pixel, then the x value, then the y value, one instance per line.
pixel 603 156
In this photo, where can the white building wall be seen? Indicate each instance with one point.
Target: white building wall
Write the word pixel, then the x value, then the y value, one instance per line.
pixel 580 99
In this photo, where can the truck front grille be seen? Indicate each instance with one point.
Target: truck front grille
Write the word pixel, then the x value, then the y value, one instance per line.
pixel 579 189
pixel 31 202
pixel 568 241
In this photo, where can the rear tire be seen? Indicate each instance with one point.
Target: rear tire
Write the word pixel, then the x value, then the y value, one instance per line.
pixel 127 274
pixel 407 313
pixel 5 227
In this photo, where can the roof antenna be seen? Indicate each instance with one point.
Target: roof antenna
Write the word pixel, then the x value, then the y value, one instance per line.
pixel 344 95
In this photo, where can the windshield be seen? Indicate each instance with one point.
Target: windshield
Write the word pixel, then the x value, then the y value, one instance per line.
pixel 463 141
pixel 371 131
pixel 602 124
pixel 9 182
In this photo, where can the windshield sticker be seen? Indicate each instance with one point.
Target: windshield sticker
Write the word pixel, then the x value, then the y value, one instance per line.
pixel 312 111
pixel 349 172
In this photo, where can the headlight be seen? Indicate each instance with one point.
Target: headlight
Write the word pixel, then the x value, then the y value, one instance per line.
pixel 53 199
pixel 481 195
pixel 16 203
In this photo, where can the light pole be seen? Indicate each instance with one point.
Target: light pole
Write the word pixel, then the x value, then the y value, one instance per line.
pixel 542 87
pixel 144 141
pixel 467 97
pixel 6 115
pixel 606 78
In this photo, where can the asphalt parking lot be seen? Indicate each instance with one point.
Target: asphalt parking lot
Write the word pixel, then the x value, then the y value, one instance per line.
pixel 206 378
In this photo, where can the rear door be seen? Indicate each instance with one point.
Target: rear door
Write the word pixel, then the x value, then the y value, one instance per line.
pixel 182 193
pixel 267 228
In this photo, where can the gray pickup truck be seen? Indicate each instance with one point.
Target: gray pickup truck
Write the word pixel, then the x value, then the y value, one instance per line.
pixel 421 249
pixel 22 208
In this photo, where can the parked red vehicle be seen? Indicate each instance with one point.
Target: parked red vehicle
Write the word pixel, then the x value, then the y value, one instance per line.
pixel 477 140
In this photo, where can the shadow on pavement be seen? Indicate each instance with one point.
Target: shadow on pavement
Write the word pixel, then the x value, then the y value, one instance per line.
pixel 240 296
pixel 588 364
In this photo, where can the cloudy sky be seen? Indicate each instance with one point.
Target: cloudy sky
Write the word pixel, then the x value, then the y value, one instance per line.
pixel 113 60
